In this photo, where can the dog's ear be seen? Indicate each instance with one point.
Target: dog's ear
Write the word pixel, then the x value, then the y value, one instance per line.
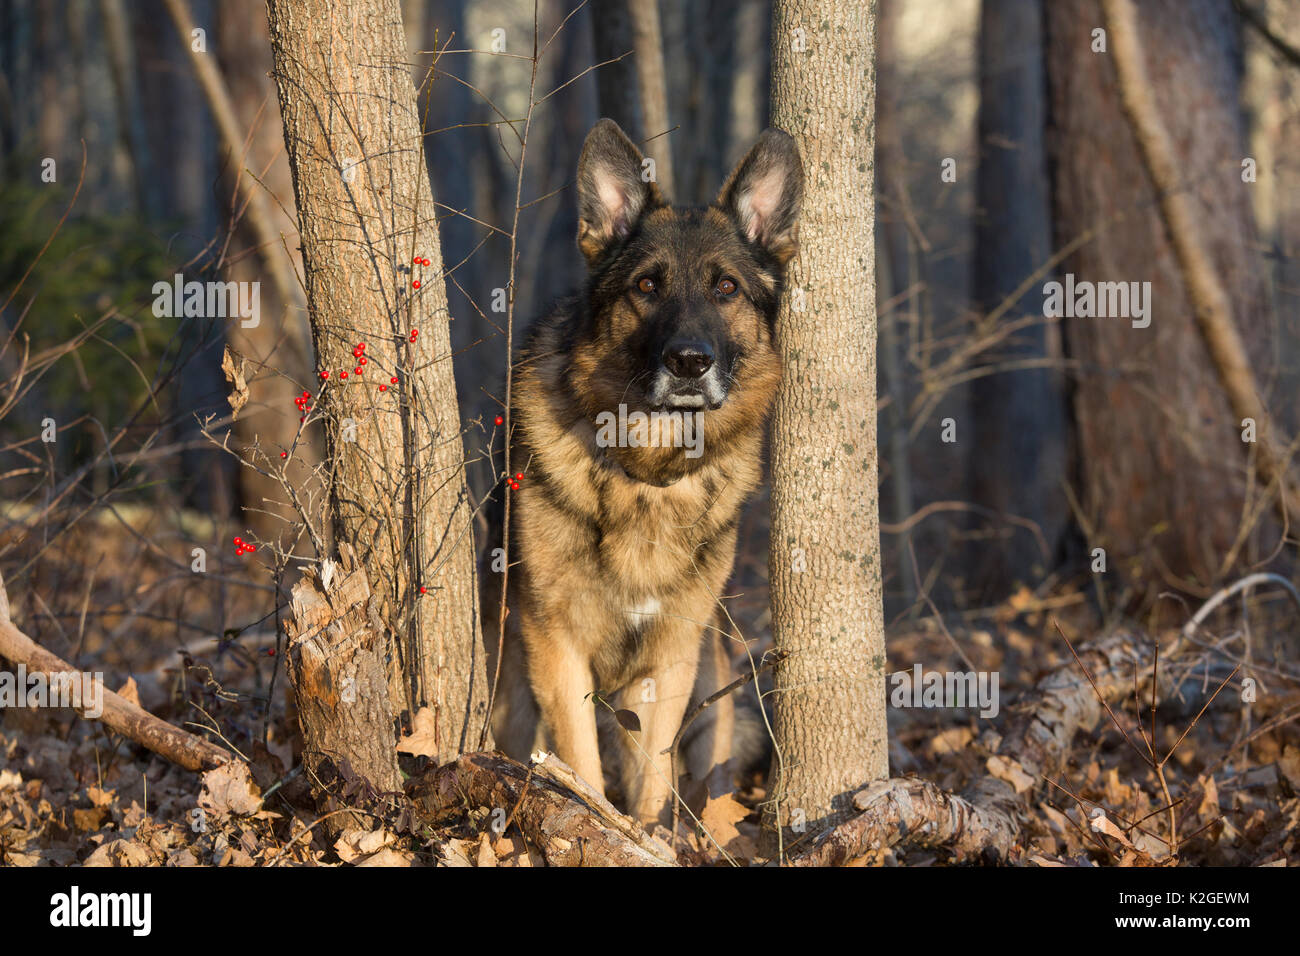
pixel 611 193
pixel 764 192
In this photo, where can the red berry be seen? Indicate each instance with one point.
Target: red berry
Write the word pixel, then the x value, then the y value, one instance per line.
pixel 424 262
pixel 424 590
pixel 357 370
pixel 416 260
pixel 343 374
pixel 361 360
pixel 270 652
pixel 250 547
pixel 415 284
pixel 498 420
pixel 284 454
pixel 306 394
pixel 301 420
pixel 514 486
pixel 239 552
pixel 239 540
pixel 361 346
pixel 414 332
pixel 383 388
pixel 393 380
pixel 324 375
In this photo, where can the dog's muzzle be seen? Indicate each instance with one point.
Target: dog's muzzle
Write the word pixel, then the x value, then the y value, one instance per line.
pixel 688 377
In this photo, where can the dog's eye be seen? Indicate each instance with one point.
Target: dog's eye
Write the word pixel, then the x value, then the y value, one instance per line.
pixel 646 285
pixel 726 286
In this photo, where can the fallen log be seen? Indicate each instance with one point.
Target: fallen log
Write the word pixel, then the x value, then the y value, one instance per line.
pixel 128 719
pixel 986 821
pixel 557 812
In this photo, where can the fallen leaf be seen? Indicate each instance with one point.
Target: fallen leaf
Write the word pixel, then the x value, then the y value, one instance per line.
pixel 1010 772
pixel 389 857
pixel 719 817
pixel 1098 820
pixel 230 789
pixel 950 741
pixel 485 855
pixel 1289 765
pixel 423 739
pixel 130 691
pixel 89 820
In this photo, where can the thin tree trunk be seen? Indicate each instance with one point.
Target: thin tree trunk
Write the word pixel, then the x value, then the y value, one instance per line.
pixel 634 91
pixel 365 213
pixel 1018 418
pixel 825 559
pixel 280 344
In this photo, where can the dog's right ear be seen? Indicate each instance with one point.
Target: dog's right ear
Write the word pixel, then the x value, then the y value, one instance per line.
pixel 612 196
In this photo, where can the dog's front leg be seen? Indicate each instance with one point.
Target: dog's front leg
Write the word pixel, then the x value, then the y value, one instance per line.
pixel 562 684
pixel 659 700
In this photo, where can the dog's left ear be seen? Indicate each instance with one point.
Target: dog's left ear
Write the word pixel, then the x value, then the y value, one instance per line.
pixel 764 192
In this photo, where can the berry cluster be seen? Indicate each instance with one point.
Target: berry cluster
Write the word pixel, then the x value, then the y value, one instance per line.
pixel 242 548
pixel 415 283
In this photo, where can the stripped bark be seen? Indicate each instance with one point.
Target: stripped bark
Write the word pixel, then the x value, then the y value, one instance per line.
pixel 337 670
pixel 556 810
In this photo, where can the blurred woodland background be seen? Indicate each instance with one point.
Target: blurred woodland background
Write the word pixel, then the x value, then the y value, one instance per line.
pixel 1012 445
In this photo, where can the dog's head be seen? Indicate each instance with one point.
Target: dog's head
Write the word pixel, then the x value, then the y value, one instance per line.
pixel 681 302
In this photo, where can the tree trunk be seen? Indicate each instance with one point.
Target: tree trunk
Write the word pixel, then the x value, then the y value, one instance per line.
pixel 365 212
pixel 1162 461
pixel 825 559
pixel 1017 417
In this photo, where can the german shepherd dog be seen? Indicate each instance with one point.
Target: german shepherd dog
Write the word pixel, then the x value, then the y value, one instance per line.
pixel 638 412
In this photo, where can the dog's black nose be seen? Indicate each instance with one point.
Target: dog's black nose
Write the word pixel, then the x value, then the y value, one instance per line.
pixel 688 359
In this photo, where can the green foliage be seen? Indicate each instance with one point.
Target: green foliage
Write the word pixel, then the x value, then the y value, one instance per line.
pixel 95 263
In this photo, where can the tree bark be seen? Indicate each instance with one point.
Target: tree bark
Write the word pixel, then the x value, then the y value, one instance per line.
pixel 825 558
pixel 397 494
pixel 1162 463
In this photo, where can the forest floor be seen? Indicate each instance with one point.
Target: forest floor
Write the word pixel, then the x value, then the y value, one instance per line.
pixel 119 597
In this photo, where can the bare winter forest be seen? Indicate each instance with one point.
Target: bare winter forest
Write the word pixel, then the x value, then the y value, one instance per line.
pixel 876 446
